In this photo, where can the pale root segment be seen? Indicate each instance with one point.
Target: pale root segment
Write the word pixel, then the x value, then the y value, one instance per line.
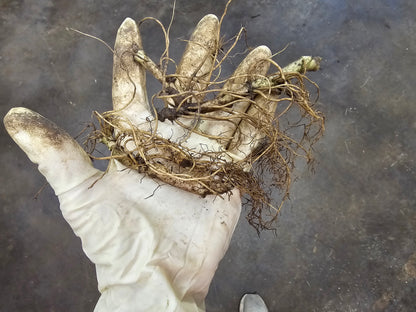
pixel 195 68
pixel 60 159
pixel 129 77
pixel 254 66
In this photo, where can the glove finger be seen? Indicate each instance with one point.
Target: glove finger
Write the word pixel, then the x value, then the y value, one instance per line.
pixel 129 77
pixel 59 158
pixel 253 66
pixel 248 138
pixel 197 60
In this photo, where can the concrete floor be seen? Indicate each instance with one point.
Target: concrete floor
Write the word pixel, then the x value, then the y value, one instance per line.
pixel 346 240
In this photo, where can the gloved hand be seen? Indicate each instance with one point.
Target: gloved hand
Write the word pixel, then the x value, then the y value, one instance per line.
pixel 155 247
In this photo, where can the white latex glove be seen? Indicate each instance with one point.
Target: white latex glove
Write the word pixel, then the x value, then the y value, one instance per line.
pixel 156 248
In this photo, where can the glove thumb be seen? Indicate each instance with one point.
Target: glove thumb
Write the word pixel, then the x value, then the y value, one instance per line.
pixel 59 158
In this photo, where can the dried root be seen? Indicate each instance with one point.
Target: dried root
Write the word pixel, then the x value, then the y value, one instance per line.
pixel 260 125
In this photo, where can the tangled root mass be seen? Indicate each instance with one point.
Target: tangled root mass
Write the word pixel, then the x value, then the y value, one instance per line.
pixel 278 124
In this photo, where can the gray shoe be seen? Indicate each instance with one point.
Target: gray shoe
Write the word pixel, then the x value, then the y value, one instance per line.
pixel 252 303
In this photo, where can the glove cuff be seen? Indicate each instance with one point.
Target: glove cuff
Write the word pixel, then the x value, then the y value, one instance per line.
pixel 153 292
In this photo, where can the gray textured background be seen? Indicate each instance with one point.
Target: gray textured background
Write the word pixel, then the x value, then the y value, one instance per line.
pixel 346 240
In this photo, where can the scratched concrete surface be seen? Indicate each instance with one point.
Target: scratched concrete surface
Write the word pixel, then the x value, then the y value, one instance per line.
pixel 345 241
